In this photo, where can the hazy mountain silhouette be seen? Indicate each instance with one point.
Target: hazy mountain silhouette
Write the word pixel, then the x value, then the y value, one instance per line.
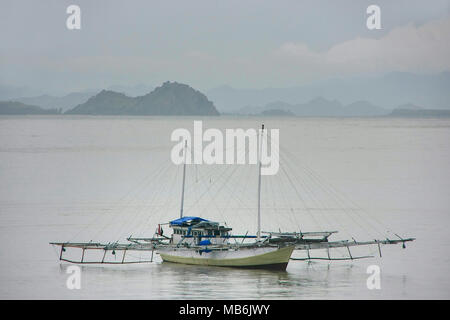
pixel 67 101
pixel 132 91
pixel 277 113
pixel 51 102
pixel 105 102
pixel 408 106
pixel 14 107
pixel 387 91
pixel 320 107
pixel 410 110
pixel 171 98
pixel 420 113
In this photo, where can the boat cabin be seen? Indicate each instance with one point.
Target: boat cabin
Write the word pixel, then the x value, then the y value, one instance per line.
pixel 193 230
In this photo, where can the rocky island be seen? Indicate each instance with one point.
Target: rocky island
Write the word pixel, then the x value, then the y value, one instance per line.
pixel 171 98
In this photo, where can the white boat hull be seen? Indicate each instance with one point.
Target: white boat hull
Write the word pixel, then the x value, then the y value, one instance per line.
pixel 253 257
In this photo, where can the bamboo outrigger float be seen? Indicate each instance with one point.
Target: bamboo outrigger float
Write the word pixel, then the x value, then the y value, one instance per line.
pixel 199 241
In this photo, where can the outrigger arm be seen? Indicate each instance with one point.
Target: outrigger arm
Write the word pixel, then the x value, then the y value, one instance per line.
pixel 302 243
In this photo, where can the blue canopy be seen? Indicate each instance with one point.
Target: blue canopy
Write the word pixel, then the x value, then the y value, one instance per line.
pixel 183 220
pixel 206 242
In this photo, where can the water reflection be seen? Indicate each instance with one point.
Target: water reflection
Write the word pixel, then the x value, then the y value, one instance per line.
pixel 165 280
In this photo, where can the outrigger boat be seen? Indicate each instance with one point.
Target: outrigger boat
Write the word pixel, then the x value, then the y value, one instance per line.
pixel 198 241
pixel 203 242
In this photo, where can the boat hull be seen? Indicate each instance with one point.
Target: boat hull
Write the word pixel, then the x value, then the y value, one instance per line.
pixel 259 257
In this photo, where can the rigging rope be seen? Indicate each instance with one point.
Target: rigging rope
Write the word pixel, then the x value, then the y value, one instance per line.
pixel 96 219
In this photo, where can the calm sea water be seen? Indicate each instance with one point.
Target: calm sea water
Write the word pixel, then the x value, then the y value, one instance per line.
pixel 104 178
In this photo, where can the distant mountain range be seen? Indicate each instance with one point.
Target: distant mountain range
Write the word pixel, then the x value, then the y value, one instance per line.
pixel 318 107
pixel 113 103
pixel 412 111
pixel 51 102
pixel 350 97
pixel 64 102
pixel 16 108
pixel 276 113
pixel 387 91
pixel 171 98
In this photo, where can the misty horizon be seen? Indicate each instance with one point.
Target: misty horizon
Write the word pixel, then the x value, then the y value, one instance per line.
pixel 378 93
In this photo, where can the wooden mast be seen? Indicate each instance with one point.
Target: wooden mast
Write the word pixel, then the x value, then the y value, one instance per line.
pixel 258 235
pixel 184 178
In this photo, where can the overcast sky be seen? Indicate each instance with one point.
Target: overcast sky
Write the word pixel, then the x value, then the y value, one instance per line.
pixel 206 43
